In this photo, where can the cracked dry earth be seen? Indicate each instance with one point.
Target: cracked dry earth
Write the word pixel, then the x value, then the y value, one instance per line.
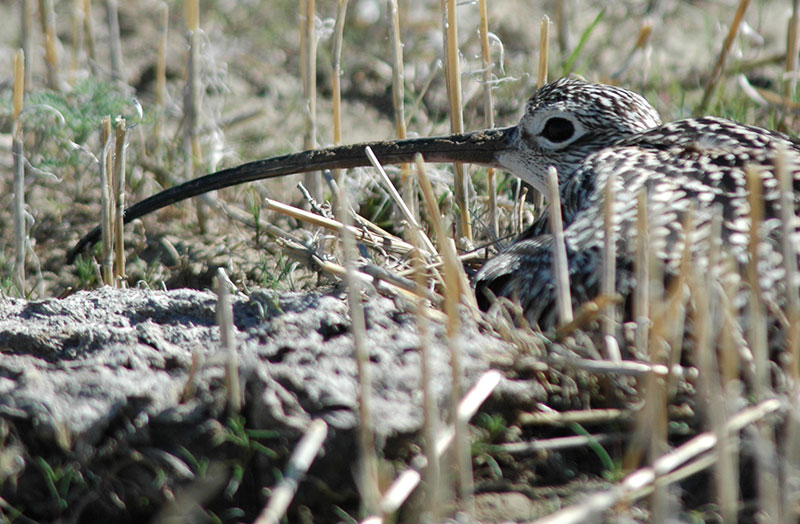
pixel 92 389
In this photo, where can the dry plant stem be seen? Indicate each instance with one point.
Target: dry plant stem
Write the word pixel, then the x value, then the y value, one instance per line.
pixel 426 85
pixel 398 95
pixel 583 417
pixel 88 31
pixel 519 207
pixel 447 248
pixel 723 55
pixel 544 46
pixel 161 80
pixel 368 460
pixel 106 169
pixel 792 431
pixel 765 458
pixel 560 262
pixel 47 17
pixel 408 214
pixel 119 199
pixel 112 18
pixel 313 180
pixel 717 404
pixel 430 413
pixel 26 37
pixel 645 31
pixel 468 297
pixel 639 482
pixel 641 296
pixel 452 292
pixel 462 448
pixel 655 432
pixel 20 239
pixel 562 26
pixel 382 286
pixel 393 244
pixel 190 386
pixel 19 213
pixel 191 101
pixel 776 99
pixel 558 443
pixel 227 341
pixel 488 113
pixel 405 483
pixel 771 489
pixel 608 283
pixel 790 262
pixel 757 325
pixel 303 455
pixel 728 351
pixel 77 38
pixel 453 81
pixel 541 79
pixel 670 312
pixel 634 368
pixel 433 208
pixel 792 46
pixel 336 78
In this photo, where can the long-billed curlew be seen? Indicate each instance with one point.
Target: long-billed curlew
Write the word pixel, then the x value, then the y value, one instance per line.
pixel 588 132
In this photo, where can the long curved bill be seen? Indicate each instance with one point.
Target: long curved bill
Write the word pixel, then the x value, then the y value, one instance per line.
pixel 478 147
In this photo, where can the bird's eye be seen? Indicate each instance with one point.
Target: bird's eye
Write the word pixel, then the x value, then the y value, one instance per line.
pixel 558 130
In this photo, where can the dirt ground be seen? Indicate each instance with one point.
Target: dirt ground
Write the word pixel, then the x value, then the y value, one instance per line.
pixel 251 107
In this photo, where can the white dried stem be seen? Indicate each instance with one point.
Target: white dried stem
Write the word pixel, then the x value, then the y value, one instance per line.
pixel 405 483
pixel 107 204
pixel 608 282
pixel 368 460
pixel 488 112
pixel 119 199
pixel 227 340
pixel 430 413
pixel 719 66
pixel 453 82
pixel 88 31
pixel 640 482
pixel 452 291
pixel 560 262
pixel 408 214
pixel 303 455
pixel 112 18
pixel 47 18
pixel 312 180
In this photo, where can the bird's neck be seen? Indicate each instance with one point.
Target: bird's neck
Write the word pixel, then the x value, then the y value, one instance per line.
pixel 574 193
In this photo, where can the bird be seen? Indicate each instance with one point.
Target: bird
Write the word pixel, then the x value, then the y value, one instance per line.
pixel 590 133
pixel 593 133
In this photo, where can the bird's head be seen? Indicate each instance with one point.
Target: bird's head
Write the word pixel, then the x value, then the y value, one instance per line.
pixel 566 121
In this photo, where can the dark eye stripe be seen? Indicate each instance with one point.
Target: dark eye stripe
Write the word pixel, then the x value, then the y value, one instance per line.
pixel 558 130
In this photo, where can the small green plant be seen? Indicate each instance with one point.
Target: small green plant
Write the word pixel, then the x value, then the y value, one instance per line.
pixel 247 440
pixel 254 207
pixel 241 436
pixel 87 276
pixel 569 64
pixel 60 479
pixel 280 280
pixel 612 470
pixel 494 423
pixel 198 465
pixel 8 287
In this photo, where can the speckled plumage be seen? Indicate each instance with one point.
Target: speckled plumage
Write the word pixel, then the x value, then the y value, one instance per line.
pixel 697 162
